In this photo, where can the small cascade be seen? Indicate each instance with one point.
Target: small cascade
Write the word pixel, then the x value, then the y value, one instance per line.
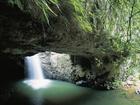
pixel 35 77
pixel 33 67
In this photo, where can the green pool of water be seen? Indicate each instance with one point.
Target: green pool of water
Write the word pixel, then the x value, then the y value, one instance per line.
pixel 62 93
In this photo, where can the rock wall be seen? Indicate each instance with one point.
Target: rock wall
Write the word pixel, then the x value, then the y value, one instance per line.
pixel 62 67
pixel 76 69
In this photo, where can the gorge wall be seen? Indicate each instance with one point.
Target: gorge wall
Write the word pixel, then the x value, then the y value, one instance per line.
pixel 21 34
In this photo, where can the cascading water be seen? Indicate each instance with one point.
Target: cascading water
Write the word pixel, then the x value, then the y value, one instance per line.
pixel 35 77
pixel 33 67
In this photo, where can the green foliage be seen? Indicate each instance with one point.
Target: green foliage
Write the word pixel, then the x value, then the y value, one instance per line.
pixel 124 23
pixel 81 14
pixel 130 67
pixel 85 25
pixel 119 18
pixel 42 5
pixel 116 84
pixel 17 2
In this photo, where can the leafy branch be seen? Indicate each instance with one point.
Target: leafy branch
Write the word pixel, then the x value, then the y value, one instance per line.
pixel 129 33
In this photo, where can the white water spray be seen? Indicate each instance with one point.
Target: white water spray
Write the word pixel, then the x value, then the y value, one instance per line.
pixel 35 77
pixel 33 67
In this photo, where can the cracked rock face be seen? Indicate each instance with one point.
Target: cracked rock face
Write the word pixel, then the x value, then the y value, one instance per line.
pixel 77 69
pixel 62 67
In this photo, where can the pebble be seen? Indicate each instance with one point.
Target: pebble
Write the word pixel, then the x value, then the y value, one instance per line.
pixel 137 91
pixel 81 82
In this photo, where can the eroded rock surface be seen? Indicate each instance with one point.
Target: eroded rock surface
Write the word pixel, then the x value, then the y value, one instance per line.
pixel 61 67
pixel 75 69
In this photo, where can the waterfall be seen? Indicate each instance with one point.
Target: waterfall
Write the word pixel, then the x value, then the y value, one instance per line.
pixel 33 66
pixel 35 77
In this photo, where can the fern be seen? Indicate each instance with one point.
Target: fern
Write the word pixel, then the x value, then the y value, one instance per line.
pixel 80 14
pixel 42 5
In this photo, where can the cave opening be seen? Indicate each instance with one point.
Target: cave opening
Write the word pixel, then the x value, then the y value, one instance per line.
pixel 83 47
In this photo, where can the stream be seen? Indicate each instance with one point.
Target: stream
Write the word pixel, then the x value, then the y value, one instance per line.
pixel 63 93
